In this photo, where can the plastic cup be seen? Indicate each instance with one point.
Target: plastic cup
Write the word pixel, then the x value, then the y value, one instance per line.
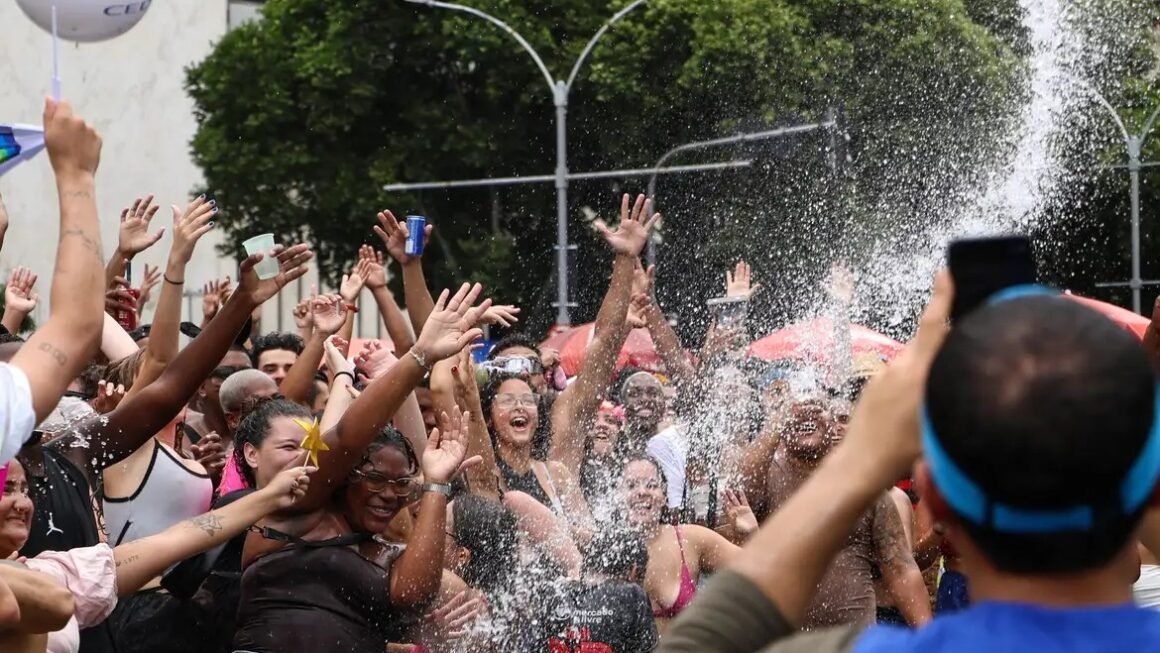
pixel 267 268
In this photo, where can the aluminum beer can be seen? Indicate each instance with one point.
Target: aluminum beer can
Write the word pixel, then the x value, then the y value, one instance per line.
pixel 416 234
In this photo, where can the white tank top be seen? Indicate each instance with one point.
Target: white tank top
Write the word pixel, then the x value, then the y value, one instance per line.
pixel 169 494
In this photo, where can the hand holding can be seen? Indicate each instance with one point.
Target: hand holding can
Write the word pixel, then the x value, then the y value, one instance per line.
pixel 416 235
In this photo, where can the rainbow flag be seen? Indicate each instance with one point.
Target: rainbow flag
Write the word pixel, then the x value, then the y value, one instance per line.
pixel 19 143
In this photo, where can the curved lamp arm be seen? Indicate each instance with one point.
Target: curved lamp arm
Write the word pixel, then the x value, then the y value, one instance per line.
pixel 1099 97
pixel 596 37
pixel 498 23
pixel 1148 125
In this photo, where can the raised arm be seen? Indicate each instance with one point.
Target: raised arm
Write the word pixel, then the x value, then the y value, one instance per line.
pixel 453 387
pixel 140 561
pixel 900 574
pixel 328 315
pixel 122 431
pixel 416 576
pixel 19 298
pixel 66 342
pixel 394 236
pixel 375 273
pixel 449 330
pixel 576 405
pixel 668 345
pixel 188 227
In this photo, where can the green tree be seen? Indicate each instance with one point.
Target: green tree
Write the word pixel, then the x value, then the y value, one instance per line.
pixel 306 114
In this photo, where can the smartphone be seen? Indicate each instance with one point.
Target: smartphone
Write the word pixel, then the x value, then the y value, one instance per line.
pixel 730 311
pixel 982 267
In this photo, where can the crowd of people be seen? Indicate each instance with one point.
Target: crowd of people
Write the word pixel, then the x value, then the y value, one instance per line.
pixel 260 492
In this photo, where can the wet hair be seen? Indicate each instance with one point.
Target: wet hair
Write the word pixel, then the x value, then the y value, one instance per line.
pixel 222 372
pixel 88 378
pixel 256 426
pixel 487 529
pixel 666 515
pixel 1044 404
pixel 312 392
pixel 616 551
pixel 541 439
pixel 512 341
pixel 390 436
pixel 274 341
pixel 124 372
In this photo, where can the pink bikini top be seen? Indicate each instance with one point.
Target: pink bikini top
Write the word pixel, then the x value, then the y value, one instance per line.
pixel 688 587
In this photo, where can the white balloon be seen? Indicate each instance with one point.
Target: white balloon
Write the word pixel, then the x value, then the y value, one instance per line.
pixel 86 20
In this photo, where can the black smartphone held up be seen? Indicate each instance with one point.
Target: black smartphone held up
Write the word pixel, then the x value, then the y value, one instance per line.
pixel 982 267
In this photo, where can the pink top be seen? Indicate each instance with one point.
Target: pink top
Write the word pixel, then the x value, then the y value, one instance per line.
pixel 688 586
pixel 232 478
pixel 90 573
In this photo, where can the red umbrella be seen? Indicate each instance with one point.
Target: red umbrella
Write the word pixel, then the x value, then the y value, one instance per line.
pixel 814 340
pixel 638 349
pixel 1129 321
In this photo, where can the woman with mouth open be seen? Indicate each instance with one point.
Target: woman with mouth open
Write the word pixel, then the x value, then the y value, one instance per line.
pixel 319 577
pixel 677 554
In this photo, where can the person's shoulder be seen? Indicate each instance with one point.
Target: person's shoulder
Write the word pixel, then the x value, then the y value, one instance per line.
pixel 839 639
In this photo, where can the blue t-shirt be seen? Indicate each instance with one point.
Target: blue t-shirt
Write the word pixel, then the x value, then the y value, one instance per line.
pixel 999 627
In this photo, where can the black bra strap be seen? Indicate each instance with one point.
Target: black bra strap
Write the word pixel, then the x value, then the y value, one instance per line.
pixel 341 540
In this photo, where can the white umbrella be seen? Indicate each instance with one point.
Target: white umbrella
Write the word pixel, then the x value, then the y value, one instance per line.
pixel 19 143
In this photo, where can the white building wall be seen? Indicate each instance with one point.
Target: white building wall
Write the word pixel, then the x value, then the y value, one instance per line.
pixel 132 90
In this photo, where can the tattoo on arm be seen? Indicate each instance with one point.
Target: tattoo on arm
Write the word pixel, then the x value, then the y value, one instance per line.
pixel 90 243
pixel 81 194
pixel 209 523
pixel 129 560
pixel 59 356
pixel 891 546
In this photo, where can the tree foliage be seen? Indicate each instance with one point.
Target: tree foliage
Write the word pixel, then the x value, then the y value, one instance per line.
pixel 306 114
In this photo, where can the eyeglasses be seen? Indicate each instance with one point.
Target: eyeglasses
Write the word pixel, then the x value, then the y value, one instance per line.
pixel 506 400
pixel 376 483
pixel 517 365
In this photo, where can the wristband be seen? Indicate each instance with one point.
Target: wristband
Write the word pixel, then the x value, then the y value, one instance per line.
pixel 345 373
pixel 421 359
pixel 176 283
pixel 438 488
pixel 351 307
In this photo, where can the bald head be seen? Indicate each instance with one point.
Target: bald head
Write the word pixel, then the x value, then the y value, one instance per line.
pixel 243 385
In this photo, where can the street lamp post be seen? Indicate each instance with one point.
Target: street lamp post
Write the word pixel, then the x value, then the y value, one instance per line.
pixel 1135 145
pixel 829 123
pixel 560 91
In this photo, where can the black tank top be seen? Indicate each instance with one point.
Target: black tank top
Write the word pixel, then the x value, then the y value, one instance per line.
pixel 317 596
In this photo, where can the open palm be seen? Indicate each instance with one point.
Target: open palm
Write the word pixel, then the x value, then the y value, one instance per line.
pixel 630 236
pixel 134 236
pixel 451 326
pixel 444 456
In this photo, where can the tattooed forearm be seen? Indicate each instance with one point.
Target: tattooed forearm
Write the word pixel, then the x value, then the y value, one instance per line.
pixel 891 545
pixel 59 356
pixel 129 560
pixel 76 194
pixel 209 523
pixel 89 243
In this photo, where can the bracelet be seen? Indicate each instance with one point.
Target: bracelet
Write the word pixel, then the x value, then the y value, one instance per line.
pixel 345 373
pixel 176 283
pixel 438 488
pixel 351 307
pixel 421 359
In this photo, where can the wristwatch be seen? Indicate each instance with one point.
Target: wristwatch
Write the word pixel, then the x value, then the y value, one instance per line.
pixel 441 488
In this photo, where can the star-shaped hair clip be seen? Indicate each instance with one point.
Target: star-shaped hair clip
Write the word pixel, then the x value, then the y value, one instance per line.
pixel 313 440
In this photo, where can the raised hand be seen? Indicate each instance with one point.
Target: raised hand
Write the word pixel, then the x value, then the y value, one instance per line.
pixel 443 459
pixel 304 317
pixel 74 147
pixel 335 361
pixel 108 397
pixel 291 265
pixel 288 487
pixel 739 282
pixel 631 234
pixel 18 294
pixel 118 297
pixel 643 279
pixel 449 622
pixel 210 452
pixel 451 326
pixel 328 312
pixel 503 315
pixel 374 359
pixel 739 513
pixel 370 267
pixel 394 236
pixel 210 301
pixel 190 225
pixel 841 283
pixel 152 278
pixel 635 318
pixel 352 284
pixel 134 236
